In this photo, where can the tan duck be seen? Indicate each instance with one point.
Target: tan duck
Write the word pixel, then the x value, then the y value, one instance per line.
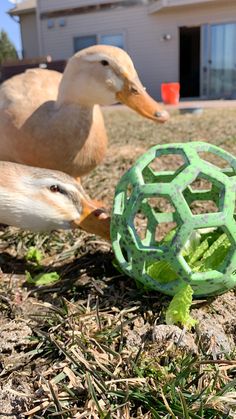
pixel 54 121
pixel 39 199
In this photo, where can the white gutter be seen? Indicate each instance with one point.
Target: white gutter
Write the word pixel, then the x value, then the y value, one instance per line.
pixel 162 4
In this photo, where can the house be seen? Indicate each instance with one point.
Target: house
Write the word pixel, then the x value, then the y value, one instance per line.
pixel 28 27
pixel 191 41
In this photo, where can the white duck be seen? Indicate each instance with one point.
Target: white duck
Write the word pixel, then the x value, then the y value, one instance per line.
pixel 43 200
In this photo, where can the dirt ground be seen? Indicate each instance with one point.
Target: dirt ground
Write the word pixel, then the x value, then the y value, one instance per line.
pixel 38 324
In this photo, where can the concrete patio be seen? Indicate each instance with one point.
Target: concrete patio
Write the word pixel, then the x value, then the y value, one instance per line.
pixel 198 104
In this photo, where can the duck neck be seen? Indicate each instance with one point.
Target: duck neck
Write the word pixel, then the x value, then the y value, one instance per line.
pixel 73 90
pixel 88 139
pixel 68 96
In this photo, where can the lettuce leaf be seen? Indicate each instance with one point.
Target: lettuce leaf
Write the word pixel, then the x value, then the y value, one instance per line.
pixel 34 255
pixel 203 252
pixel 43 278
pixel 161 271
pixel 214 255
pixel 178 311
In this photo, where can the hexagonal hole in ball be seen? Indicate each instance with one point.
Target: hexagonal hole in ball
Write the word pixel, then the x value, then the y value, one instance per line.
pixel 203 196
pixel 217 161
pixel 140 224
pixel 165 166
pixel 209 249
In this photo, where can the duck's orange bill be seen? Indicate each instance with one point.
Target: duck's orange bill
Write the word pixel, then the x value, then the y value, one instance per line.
pixel 94 220
pixel 135 96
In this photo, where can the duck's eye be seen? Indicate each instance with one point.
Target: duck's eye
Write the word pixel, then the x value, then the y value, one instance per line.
pixel 104 62
pixel 134 91
pixel 55 189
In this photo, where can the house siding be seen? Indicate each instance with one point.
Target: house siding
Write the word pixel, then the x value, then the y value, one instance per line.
pixel 29 35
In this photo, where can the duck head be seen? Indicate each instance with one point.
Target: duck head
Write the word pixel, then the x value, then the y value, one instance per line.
pixel 104 75
pixel 38 199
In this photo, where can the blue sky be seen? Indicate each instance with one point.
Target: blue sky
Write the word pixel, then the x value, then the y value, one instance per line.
pixel 8 24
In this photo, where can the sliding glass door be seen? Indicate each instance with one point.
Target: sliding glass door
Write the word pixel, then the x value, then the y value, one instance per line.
pixel 219 60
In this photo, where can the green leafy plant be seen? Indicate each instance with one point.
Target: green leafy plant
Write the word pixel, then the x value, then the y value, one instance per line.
pixel 43 278
pixel 34 255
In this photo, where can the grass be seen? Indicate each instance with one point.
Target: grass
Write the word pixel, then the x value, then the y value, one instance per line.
pixel 87 346
pixel 92 372
pixel 90 366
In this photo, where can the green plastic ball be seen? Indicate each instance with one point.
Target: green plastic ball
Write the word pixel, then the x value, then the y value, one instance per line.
pixel 199 196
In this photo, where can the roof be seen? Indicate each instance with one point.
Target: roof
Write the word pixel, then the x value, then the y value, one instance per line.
pixel 29 6
pixel 24 7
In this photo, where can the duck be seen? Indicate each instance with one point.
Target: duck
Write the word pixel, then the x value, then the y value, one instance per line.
pixel 54 121
pixel 43 200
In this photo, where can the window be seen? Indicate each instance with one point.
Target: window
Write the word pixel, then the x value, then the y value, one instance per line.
pixel 50 23
pixel 117 40
pixel 62 22
pixel 81 42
